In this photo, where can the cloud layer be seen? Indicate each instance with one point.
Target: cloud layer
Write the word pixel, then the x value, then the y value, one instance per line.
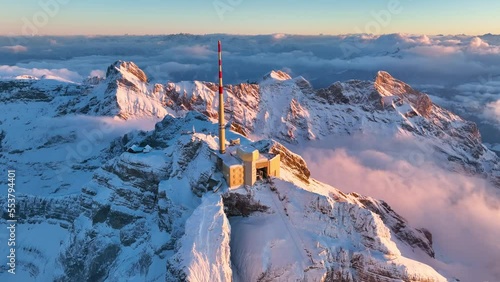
pixel 443 60
pixel 461 212
pixel 15 48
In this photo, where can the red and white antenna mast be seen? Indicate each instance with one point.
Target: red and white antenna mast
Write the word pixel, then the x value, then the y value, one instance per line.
pixel 222 131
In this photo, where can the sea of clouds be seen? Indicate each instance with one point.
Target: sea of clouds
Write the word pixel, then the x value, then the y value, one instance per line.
pixel 439 61
pixel 461 211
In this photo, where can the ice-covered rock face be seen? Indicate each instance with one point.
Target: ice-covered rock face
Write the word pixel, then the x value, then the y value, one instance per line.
pixel 289 159
pixel 297 231
pixel 120 67
pixel 388 86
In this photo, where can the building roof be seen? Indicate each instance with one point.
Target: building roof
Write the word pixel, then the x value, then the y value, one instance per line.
pixel 231 157
pixel 247 149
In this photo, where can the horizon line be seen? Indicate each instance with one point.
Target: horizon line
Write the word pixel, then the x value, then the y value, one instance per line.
pixel 242 34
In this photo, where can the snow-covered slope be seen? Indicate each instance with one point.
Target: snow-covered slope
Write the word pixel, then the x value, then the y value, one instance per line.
pixel 119 216
pixel 153 217
pixel 286 243
pixel 204 254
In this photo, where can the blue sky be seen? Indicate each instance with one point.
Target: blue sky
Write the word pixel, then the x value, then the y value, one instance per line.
pixel 70 17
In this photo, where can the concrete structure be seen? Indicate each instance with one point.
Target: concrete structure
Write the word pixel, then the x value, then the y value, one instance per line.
pixel 241 165
pixel 244 165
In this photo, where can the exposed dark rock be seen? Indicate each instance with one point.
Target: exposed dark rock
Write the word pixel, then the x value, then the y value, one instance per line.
pixel 34 209
pixel 333 94
pixel 238 128
pixel 241 205
pixel 117 219
pixel 129 234
pixel 101 215
pixel 89 262
pixel 2 137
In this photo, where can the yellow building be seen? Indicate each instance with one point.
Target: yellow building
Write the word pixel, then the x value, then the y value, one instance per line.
pixel 243 165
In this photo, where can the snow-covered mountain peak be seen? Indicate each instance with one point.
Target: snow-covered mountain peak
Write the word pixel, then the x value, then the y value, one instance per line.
pixel 125 76
pixel 125 93
pixel 388 86
pixel 128 70
pixel 26 77
pixel 277 75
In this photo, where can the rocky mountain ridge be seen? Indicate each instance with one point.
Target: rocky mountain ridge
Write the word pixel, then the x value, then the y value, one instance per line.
pixel 155 217
pixel 292 111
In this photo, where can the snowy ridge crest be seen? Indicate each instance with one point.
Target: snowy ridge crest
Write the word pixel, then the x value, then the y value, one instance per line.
pixel 277 75
pixel 289 110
